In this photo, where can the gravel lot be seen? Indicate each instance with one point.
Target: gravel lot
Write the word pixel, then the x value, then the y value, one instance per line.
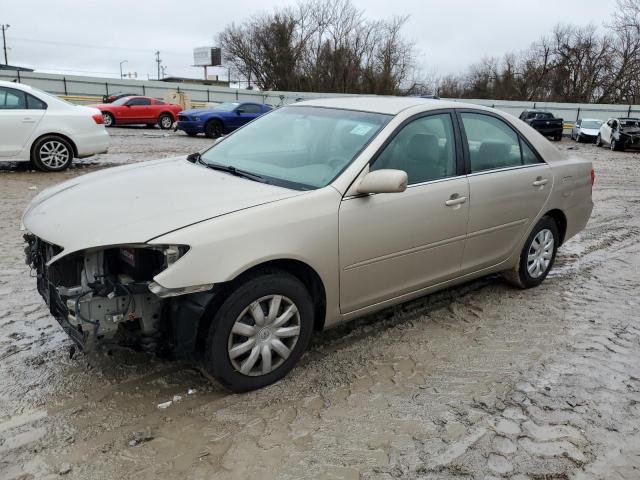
pixel 479 381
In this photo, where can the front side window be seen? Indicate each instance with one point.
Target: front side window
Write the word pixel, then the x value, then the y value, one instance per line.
pixel 491 142
pixel 11 99
pixel 298 147
pixel 423 148
pixel 139 102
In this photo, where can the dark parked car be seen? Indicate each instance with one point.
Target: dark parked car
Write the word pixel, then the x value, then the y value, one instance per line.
pixel 620 133
pixel 221 119
pixel 112 97
pixel 544 122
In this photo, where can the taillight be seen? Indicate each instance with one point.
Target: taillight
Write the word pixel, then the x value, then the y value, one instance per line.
pixel 98 118
pixel 593 177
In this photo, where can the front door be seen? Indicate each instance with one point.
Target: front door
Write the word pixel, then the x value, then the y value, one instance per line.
pixel 17 120
pixel 397 243
pixel 508 185
pixel 139 109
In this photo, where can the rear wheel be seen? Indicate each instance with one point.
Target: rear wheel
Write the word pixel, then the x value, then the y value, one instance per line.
pixel 52 154
pixel 537 256
pixel 213 129
pixel 108 119
pixel 259 332
pixel 165 121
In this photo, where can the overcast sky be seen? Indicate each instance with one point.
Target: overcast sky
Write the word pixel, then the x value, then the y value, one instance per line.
pixel 92 37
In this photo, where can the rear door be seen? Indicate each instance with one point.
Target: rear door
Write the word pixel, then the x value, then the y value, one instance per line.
pixel 20 114
pixel 508 186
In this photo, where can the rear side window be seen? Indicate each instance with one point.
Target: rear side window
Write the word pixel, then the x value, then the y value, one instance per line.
pixel 160 102
pixel 491 142
pixel 528 156
pixel 423 148
pixel 35 103
pixel 11 99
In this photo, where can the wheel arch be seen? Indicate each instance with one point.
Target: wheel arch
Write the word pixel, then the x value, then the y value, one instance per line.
pixel 560 218
pixel 214 118
pixel 53 134
pixel 173 116
pixel 306 274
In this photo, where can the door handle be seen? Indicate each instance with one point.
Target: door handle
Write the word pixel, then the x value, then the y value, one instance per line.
pixel 540 182
pixel 28 120
pixel 455 200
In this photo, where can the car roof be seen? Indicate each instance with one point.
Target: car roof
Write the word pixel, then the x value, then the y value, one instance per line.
pixel 381 104
pixel 16 85
pixel 591 120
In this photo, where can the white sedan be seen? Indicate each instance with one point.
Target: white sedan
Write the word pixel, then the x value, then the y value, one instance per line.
pixel 45 130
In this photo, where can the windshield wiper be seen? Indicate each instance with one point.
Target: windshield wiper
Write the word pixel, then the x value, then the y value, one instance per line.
pixel 233 171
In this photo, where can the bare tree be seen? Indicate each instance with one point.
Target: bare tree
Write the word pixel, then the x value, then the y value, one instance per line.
pixel 321 45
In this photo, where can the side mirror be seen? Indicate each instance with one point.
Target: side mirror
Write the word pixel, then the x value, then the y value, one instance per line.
pixel 383 181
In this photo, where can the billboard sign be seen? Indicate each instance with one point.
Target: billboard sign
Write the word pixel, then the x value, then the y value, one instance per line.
pixel 207 57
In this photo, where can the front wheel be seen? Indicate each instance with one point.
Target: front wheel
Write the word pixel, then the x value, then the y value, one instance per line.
pixel 615 145
pixel 259 332
pixel 52 154
pixel 537 256
pixel 165 121
pixel 213 129
pixel 598 141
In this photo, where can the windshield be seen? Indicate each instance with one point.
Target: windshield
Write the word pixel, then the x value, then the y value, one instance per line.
pixel 591 124
pixel 120 101
pixel 298 147
pixel 226 106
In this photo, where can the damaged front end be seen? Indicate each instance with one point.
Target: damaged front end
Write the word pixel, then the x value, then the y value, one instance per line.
pixel 107 295
pixel 629 138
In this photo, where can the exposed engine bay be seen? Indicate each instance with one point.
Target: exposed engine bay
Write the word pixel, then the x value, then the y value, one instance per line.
pixel 107 296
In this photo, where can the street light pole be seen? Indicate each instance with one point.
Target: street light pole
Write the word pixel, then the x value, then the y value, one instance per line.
pixel 122 62
pixel 4 42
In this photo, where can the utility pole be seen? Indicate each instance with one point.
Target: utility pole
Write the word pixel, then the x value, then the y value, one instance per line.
pixel 121 63
pixel 158 61
pixel 4 42
pixel 164 70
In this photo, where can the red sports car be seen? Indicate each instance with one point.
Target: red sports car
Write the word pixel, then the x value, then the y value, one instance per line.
pixel 139 110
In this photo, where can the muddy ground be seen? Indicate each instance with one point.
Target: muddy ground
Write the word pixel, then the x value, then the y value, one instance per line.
pixel 479 381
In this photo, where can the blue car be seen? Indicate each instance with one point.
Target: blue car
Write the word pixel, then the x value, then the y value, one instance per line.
pixel 219 120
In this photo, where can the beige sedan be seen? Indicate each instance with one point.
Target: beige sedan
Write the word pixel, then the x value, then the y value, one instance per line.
pixel 312 215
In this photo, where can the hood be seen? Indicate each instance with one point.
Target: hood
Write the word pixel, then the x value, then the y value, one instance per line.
pixel 137 202
pixel 590 131
pixel 101 105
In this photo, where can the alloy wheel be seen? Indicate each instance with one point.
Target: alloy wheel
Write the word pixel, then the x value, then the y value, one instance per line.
pixel 264 335
pixel 54 154
pixel 107 120
pixel 540 253
pixel 166 122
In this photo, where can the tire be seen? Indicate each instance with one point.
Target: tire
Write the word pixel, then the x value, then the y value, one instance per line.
pixel 213 129
pixel 532 272
pixel 52 154
pixel 233 329
pixel 615 146
pixel 165 121
pixel 557 137
pixel 109 120
pixel 598 141
pixel 578 138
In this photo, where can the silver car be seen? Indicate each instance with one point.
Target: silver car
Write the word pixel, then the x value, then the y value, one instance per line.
pixel 310 216
pixel 586 130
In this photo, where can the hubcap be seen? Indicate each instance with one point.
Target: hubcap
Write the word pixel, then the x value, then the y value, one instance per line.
pixel 264 335
pixel 54 154
pixel 540 253
pixel 107 120
pixel 166 122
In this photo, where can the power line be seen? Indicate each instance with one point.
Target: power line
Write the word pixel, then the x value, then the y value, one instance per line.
pixel 100 47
